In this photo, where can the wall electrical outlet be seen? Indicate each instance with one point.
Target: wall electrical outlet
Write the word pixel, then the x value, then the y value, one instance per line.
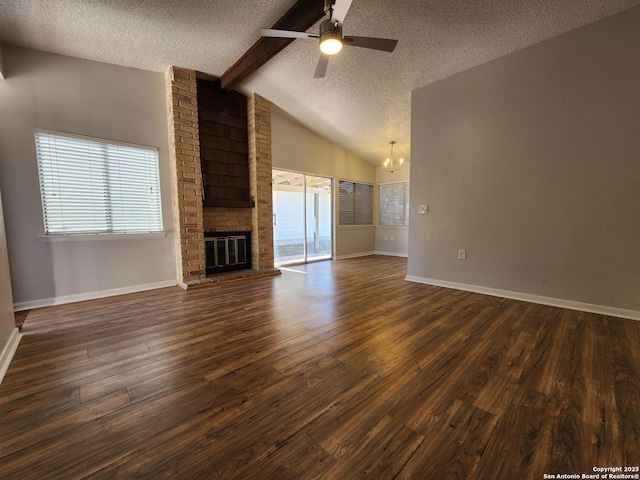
pixel 462 254
pixel 423 208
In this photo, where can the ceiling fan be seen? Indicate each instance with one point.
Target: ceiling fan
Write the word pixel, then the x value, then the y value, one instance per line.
pixel 331 38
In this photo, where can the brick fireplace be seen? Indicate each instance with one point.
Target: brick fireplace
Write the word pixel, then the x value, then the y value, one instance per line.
pixel 191 218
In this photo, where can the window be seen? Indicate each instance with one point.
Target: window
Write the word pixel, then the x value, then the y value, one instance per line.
pixel 356 203
pixel 94 186
pixel 394 203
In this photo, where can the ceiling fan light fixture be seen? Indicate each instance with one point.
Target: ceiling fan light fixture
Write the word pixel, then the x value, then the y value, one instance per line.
pixel 330 37
pixel 330 46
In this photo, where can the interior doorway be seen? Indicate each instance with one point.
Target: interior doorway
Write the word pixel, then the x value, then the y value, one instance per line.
pixel 302 217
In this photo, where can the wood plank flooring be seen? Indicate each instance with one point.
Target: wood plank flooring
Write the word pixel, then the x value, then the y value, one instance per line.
pixel 20 317
pixel 334 370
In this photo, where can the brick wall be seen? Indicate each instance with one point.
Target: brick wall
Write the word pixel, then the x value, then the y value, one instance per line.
pixel 191 220
pixel 182 108
pixel 260 164
pixel 227 219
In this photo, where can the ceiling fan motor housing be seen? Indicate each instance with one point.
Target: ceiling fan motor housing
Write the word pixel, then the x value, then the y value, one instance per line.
pixel 329 30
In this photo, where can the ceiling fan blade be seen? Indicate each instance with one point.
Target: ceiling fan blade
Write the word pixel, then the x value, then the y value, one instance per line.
pixel 270 32
pixel 384 44
pixel 321 68
pixel 340 10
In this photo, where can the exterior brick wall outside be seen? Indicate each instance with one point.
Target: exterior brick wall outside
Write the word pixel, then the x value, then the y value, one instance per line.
pixel 260 164
pixel 182 108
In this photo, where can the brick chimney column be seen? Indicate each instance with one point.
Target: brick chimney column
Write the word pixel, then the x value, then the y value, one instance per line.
pixel 186 174
pixel 260 164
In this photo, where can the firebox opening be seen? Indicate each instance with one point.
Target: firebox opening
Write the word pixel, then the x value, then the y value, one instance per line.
pixel 227 251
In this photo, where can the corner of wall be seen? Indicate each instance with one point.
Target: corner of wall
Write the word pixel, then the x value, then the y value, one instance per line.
pixel 2 74
pixel 8 351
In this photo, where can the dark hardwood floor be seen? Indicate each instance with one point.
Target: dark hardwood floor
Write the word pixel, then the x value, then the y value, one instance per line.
pixel 20 317
pixel 337 370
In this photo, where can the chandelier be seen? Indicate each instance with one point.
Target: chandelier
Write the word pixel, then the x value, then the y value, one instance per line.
pixel 390 164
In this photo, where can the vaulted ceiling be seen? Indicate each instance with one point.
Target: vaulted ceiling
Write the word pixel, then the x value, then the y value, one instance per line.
pixel 364 100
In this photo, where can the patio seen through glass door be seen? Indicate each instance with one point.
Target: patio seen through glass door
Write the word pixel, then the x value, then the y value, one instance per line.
pixel 302 223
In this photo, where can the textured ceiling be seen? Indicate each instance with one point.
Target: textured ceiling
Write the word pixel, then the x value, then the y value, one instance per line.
pixel 362 103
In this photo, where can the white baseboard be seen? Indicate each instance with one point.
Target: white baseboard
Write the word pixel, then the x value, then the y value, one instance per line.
pixel 47 302
pixel 354 255
pixel 392 254
pixel 553 302
pixel 8 351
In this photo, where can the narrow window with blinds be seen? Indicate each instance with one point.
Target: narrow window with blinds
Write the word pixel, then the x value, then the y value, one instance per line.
pixel 91 186
pixel 355 203
pixel 394 203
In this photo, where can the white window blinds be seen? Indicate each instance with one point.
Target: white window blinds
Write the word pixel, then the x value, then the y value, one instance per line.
pixel 93 186
pixel 356 203
pixel 394 203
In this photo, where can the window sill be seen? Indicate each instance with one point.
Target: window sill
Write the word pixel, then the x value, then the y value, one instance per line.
pixel 92 237
pixel 356 226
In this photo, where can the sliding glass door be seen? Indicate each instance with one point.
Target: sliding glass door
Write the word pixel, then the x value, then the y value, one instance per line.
pixel 288 217
pixel 302 217
pixel 318 224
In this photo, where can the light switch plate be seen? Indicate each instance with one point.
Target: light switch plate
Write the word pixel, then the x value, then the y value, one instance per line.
pixel 423 208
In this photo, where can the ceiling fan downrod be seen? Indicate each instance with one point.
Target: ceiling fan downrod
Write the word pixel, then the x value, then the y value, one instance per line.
pixel 328 7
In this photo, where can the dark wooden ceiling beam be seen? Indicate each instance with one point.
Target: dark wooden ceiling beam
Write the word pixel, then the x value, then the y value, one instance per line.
pixel 301 16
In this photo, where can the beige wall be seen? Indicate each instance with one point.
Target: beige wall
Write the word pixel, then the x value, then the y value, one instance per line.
pixel 7 321
pixel 532 164
pixel 295 147
pixel 86 98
